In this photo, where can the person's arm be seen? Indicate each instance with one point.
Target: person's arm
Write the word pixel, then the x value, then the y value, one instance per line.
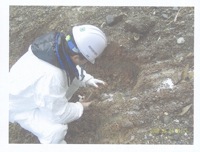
pixel 86 79
pixel 50 97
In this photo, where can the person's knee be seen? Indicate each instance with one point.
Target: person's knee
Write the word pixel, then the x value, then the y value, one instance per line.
pixel 59 134
pixel 55 136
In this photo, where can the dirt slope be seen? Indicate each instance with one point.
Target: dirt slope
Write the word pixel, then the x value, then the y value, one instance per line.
pixel 148 64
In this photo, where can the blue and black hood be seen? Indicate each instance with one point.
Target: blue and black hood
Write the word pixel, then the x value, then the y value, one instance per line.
pixel 52 48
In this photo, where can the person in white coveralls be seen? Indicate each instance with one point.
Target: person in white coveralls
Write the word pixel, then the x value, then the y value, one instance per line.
pixel 44 79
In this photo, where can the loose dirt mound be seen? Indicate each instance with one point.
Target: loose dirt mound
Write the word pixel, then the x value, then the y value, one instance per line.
pixel 148 66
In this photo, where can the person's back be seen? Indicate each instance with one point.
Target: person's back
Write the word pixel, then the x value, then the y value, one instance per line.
pixel 25 77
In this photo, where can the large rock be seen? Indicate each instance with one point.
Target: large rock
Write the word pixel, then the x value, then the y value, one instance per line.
pixel 113 19
pixel 141 25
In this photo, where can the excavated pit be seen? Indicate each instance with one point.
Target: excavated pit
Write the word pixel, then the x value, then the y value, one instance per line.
pixel 149 96
pixel 116 68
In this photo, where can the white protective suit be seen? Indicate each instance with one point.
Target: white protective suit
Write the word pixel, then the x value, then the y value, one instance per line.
pixel 38 98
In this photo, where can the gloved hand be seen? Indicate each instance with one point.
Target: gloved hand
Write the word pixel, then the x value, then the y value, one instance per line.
pixel 93 82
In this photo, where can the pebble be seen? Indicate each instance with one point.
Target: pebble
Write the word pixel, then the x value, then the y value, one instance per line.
pixel 165 16
pixel 136 37
pixel 185 134
pixel 134 98
pixel 166 119
pixel 110 19
pixel 180 40
pixel 177 131
pixel 132 137
pixel 176 120
pixel 165 113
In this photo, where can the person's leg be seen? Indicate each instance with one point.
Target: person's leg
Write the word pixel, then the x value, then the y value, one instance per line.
pixel 46 131
pixel 55 134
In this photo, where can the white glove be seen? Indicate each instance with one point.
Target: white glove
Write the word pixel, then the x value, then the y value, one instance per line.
pixel 93 82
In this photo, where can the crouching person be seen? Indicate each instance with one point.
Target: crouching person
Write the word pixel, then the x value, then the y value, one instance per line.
pixel 44 79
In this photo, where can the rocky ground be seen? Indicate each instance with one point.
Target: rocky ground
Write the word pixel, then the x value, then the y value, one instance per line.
pixel 148 65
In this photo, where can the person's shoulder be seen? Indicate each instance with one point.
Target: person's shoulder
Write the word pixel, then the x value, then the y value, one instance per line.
pixel 54 71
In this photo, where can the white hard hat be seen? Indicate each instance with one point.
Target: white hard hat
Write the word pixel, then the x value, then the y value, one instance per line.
pixel 90 40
